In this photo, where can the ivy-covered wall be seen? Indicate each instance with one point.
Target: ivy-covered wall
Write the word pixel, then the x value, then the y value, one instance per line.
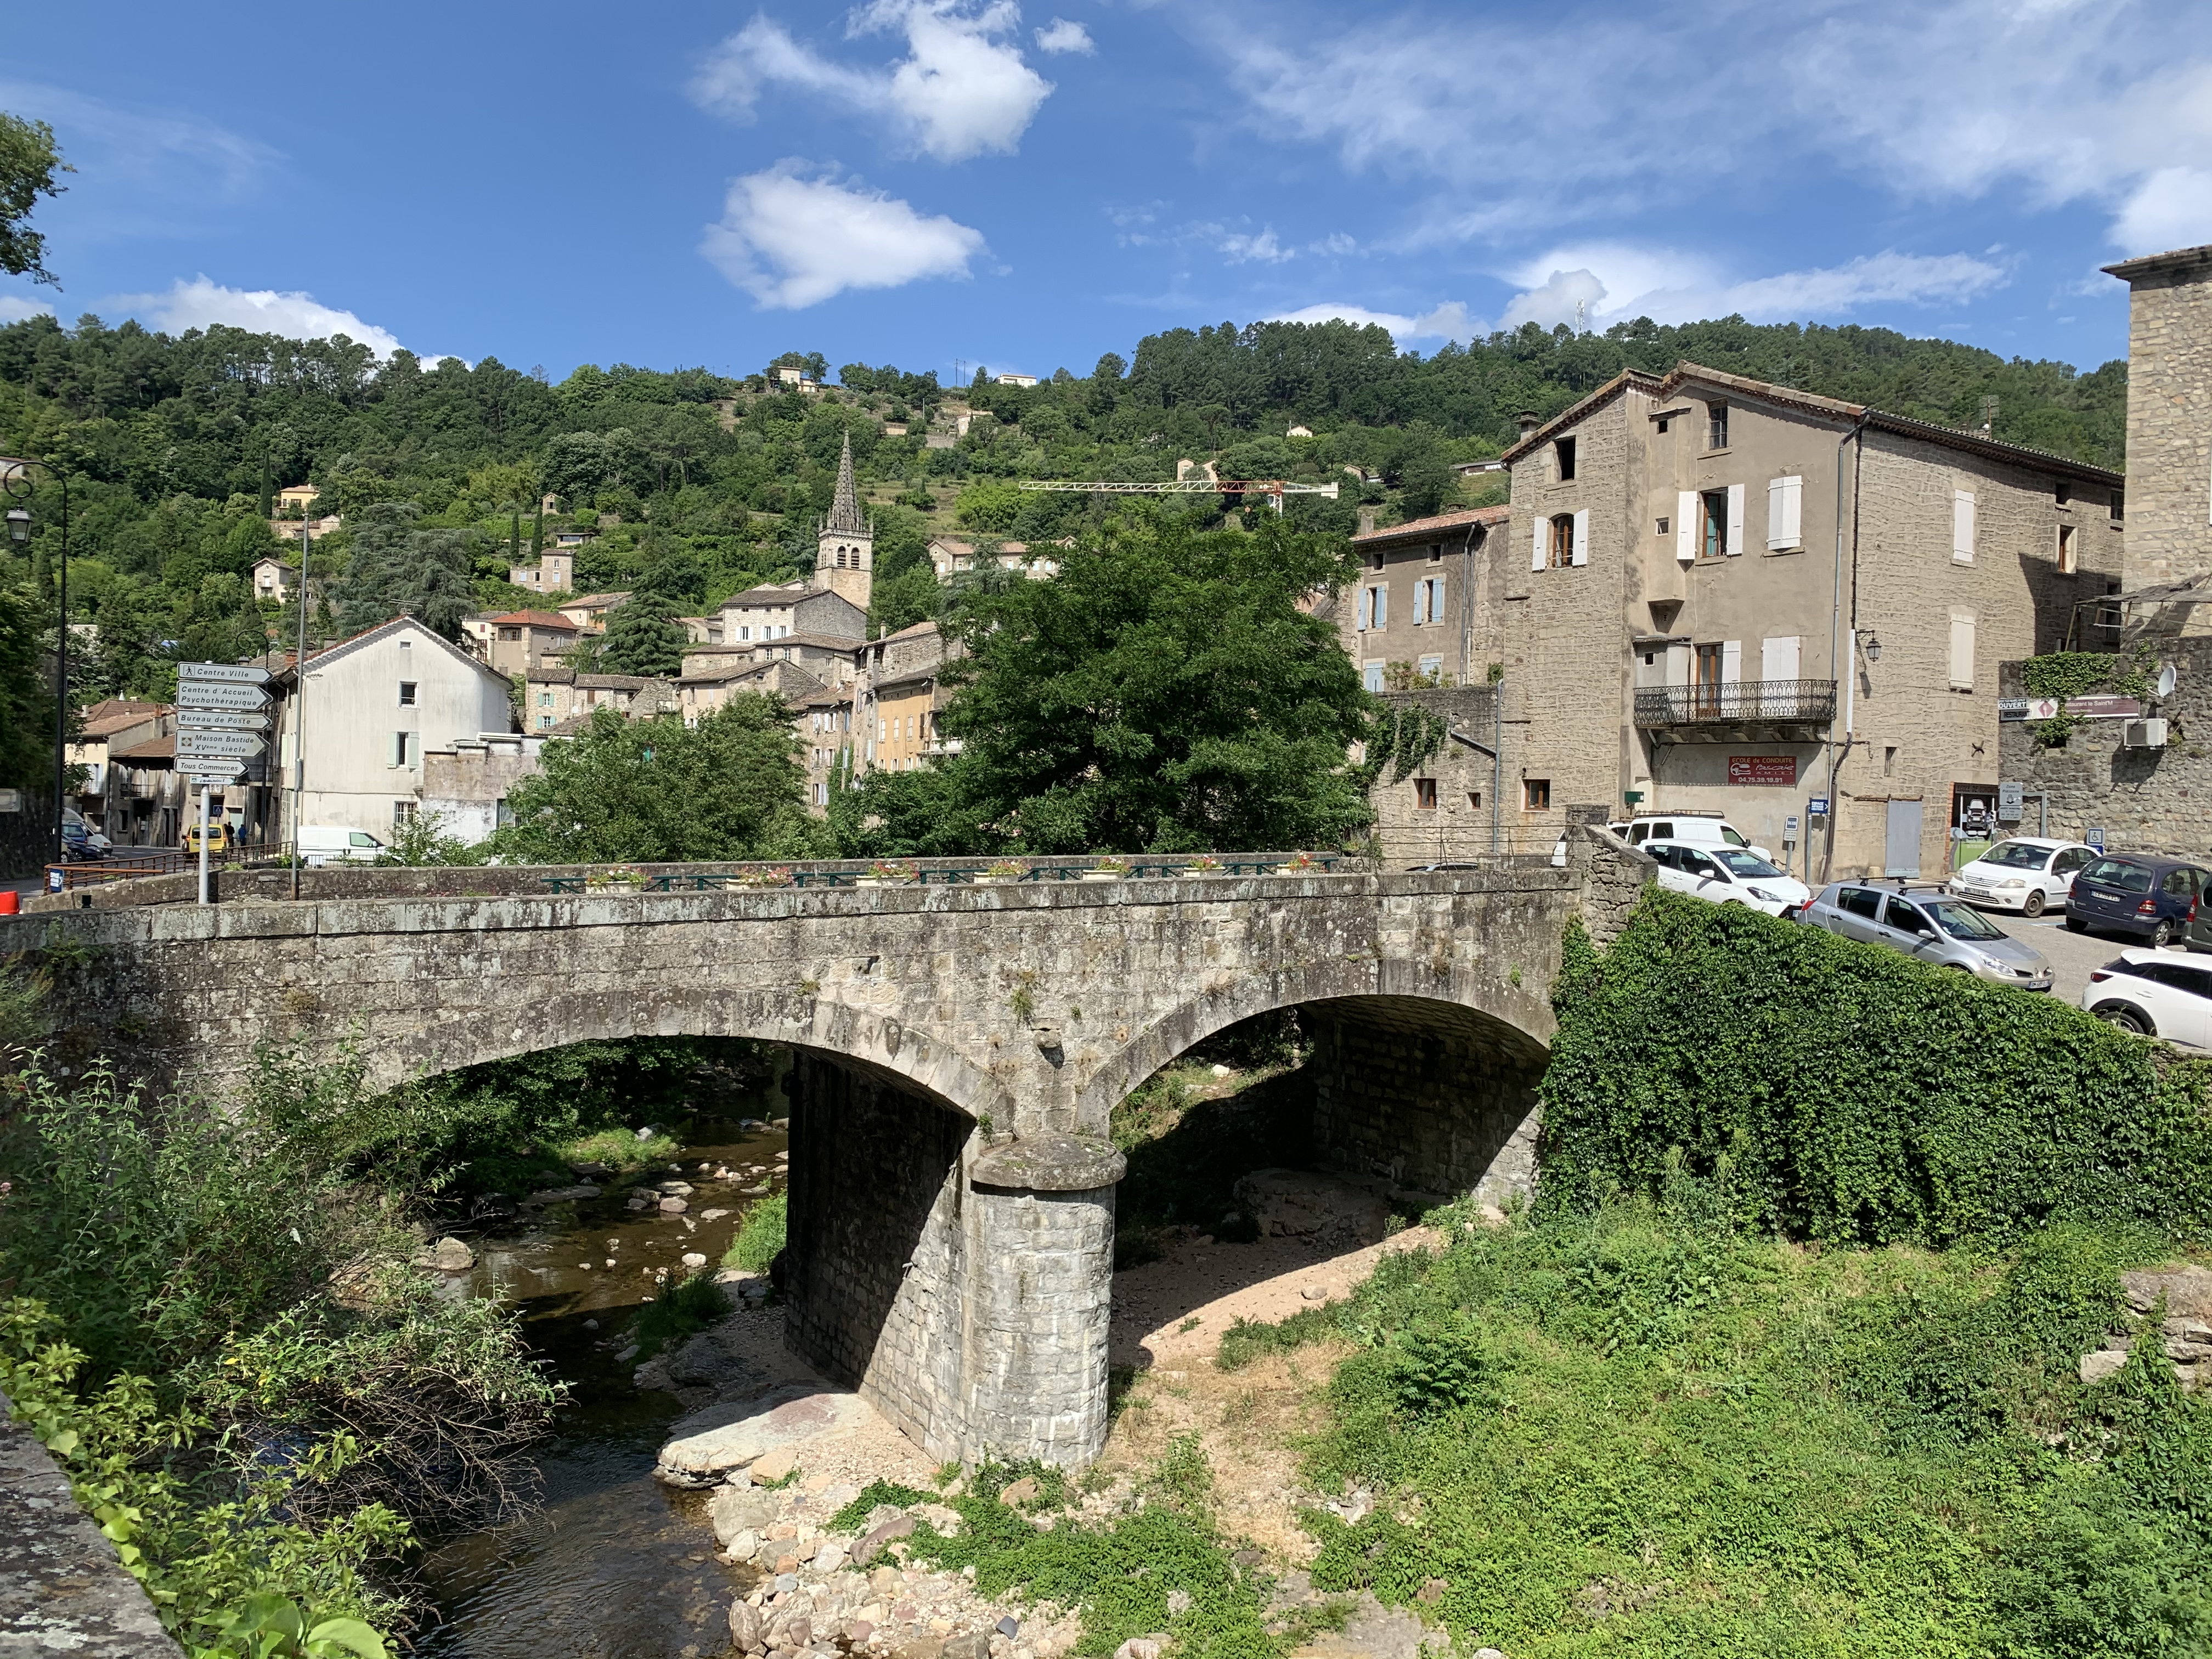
pixel 1852 1095
pixel 2157 800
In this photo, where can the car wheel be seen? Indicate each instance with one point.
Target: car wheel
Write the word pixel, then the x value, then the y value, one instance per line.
pixel 2033 907
pixel 2125 1016
pixel 2162 935
pixel 2076 925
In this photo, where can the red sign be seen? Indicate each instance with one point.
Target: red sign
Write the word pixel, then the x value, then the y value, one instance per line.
pixel 1763 768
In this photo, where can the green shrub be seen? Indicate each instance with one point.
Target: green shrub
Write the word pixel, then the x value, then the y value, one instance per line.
pixel 680 1310
pixel 1840 1091
pixel 761 1236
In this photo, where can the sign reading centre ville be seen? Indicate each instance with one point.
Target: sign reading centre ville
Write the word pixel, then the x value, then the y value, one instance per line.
pixel 1763 768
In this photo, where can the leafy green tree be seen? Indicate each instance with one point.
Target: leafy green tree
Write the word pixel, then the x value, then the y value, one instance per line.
pixel 28 162
pixel 644 637
pixel 900 601
pixel 1164 693
pixel 657 790
pixel 400 568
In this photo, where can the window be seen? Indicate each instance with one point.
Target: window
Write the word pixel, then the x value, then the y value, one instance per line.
pixel 510 633
pixel 1962 526
pixel 1565 449
pixel 1717 426
pixel 2119 505
pixel 1375 607
pixel 546 722
pixel 362 838
pixel 1475 799
pixel 1713 517
pixel 2062 492
pixel 1431 670
pixel 1889 762
pixel 1906 917
pixel 2070 550
pixel 2070 860
pixel 1663 424
pixel 406 694
pixel 1425 794
pixel 401 812
pixel 1785 499
pixel 1371 675
pixel 1536 794
pixel 1662 527
pixel 400 743
pixel 2180 884
pixel 544 699
pixel 1428 600
pixel 1559 552
pixel 1859 901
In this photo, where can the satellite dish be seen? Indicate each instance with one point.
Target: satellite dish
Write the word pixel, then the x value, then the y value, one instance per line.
pixel 2166 682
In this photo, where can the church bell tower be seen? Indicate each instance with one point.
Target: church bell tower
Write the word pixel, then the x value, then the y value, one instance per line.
pixel 845 543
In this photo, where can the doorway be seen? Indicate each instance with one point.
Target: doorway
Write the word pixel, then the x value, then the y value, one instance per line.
pixel 1900 854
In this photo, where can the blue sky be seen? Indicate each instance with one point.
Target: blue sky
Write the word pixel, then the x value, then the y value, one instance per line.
pixel 943 182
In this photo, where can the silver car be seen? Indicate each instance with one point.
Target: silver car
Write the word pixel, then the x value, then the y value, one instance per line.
pixel 1929 926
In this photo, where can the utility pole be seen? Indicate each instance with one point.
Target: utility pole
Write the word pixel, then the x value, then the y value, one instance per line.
pixel 299 713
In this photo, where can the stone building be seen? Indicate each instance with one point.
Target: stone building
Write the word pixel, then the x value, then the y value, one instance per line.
pixel 777 610
pixel 1717 594
pixel 1448 807
pixel 466 783
pixel 519 641
pixel 2169 537
pixel 845 541
pixel 553 696
pixel 1412 621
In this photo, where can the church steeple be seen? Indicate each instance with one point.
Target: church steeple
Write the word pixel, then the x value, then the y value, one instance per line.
pixel 845 542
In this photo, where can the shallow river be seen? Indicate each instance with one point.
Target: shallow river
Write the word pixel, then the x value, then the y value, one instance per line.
pixel 613 1565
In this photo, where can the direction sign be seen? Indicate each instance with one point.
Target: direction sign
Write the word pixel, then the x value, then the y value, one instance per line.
pixel 231 673
pixel 204 779
pixel 239 744
pixel 222 696
pixel 220 719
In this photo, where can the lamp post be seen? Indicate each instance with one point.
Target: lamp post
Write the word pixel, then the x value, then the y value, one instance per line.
pixel 16 480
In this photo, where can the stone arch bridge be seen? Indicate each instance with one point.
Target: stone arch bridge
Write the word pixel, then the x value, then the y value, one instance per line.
pixel 958 1050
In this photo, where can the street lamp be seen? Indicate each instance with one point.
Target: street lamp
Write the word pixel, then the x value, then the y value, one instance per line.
pixel 1873 646
pixel 15 481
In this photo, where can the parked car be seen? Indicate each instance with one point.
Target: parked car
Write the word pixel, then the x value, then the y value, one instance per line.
pixel 80 840
pixel 219 838
pixel 1928 926
pixel 2027 874
pixel 329 843
pixel 1698 830
pixel 2155 992
pixel 1727 875
pixel 2152 898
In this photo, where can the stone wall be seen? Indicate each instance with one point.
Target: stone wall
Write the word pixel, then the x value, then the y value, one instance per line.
pixel 2169 534
pixel 2148 800
pixel 1460 825
pixel 62 1590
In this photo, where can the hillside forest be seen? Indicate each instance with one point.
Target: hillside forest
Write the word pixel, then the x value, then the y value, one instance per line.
pixel 698 485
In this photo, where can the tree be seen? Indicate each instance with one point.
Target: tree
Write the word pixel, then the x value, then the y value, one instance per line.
pixel 656 791
pixel 399 569
pixel 644 637
pixel 28 162
pixel 1164 693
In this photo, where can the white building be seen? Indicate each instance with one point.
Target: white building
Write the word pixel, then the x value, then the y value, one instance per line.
pixel 374 705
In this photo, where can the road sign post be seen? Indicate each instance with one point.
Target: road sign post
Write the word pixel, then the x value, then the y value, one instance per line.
pixel 204 843
pixel 221 713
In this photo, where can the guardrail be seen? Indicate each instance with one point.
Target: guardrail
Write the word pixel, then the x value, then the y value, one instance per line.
pixel 127 864
pixel 1735 703
pixel 768 878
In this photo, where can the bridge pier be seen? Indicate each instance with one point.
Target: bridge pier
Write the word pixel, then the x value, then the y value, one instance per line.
pixel 959 1286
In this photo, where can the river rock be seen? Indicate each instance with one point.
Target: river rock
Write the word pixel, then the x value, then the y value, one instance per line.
pixel 977 1644
pixel 691 1259
pixel 830 1558
pixel 873 1545
pixel 744 1628
pixel 676 1189
pixel 732 1512
pixel 1137 1647
pixel 448 1255
pixel 673 1206
pixel 1023 1490
pixel 775 1464
pixel 561 1195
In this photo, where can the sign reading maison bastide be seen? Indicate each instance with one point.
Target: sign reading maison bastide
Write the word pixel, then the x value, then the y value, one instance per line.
pixel 1763 768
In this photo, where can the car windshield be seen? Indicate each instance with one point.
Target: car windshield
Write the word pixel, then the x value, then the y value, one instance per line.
pixel 1744 864
pixel 2118 872
pixel 1961 923
pixel 2017 855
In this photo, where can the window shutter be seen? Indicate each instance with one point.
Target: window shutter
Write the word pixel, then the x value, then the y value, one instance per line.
pixel 1382 608
pixel 1420 603
pixel 1686 527
pixel 1962 527
pixel 1777 658
pixel 1435 598
pixel 1962 649
pixel 1731 661
pixel 1581 537
pixel 1536 548
pixel 1785 499
pixel 1366 609
pixel 1735 520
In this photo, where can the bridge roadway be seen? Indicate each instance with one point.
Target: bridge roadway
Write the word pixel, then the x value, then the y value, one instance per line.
pixel 958 1050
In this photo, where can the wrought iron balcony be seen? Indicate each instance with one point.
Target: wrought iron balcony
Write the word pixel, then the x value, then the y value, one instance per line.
pixel 1677 713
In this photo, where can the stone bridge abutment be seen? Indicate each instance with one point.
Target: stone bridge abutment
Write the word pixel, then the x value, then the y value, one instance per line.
pixel 958 1052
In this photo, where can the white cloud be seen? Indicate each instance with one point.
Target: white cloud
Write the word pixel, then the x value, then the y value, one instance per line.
pixel 2171 209
pixel 962 90
pixel 1060 35
pixel 791 242
pixel 2099 101
pixel 1599 284
pixel 15 309
pixel 1448 321
pixel 1238 247
pixel 204 304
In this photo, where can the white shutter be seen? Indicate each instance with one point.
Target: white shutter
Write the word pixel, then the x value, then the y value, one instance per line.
pixel 1777 658
pixel 1581 537
pixel 1735 520
pixel 1731 661
pixel 1784 503
pixel 1962 527
pixel 1435 598
pixel 1420 603
pixel 1382 608
pixel 1536 549
pixel 1366 609
pixel 1686 527
pixel 1962 649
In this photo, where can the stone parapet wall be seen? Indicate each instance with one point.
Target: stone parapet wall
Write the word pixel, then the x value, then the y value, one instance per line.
pixel 62 1590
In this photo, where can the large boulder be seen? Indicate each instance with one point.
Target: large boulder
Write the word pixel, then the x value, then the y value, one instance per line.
pixel 1327 1209
pixel 709 1444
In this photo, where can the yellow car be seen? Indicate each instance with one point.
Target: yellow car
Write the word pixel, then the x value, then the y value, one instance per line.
pixel 218 838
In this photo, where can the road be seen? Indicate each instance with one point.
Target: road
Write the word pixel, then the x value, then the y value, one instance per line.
pixel 2072 956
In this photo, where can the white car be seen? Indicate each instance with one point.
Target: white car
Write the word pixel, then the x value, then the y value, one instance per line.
pixel 1691 828
pixel 1727 875
pixel 2027 873
pixel 2158 992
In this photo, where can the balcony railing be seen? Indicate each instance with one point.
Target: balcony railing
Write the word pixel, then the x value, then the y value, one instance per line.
pixel 1737 702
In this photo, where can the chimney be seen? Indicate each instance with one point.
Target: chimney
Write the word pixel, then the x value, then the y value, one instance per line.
pixel 1366 521
pixel 1528 422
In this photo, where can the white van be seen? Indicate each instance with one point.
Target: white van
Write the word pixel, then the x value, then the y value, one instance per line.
pixel 329 843
pixel 1697 828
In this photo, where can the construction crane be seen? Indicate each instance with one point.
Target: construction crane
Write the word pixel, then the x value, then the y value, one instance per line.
pixel 1273 489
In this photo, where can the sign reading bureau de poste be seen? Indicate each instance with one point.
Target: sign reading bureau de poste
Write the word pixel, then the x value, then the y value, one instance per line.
pixel 1763 768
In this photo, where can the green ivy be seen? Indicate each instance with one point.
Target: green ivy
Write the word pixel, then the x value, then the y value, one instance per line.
pixel 1839 1091
pixel 2064 674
